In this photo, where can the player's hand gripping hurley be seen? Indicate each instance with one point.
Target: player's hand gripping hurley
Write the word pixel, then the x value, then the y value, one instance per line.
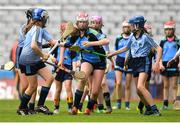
pixel 75 74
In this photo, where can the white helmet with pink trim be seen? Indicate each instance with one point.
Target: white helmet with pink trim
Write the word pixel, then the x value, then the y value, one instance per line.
pixel 82 16
pixel 169 24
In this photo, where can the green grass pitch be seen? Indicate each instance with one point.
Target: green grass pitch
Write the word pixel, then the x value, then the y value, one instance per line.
pixel 8 113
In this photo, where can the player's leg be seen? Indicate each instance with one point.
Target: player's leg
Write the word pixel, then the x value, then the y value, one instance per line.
pixel 97 77
pixel 68 86
pixel 23 108
pixel 177 101
pixel 165 91
pixel 57 96
pixel 145 93
pixel 32 103
pixel 100 105
pixel 45 73
pixel 118 88
pixel 127 90
pixel 87 68
pixel 106 94
pixel 174 86
pixel 85 93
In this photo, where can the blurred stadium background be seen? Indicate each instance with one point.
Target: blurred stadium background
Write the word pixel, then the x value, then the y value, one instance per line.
pixel 113 12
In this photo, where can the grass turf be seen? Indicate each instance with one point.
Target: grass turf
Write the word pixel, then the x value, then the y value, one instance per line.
pixel 8 113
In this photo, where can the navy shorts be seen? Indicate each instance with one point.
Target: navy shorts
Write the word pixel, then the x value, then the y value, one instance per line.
pixel 18 53
pixel 63 75
pixel 98 65
pixel 120 65
pixel 140 64
pixel 170 71
pixel 31 69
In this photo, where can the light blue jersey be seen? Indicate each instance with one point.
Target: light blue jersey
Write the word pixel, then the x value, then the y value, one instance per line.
pixel 120 43
pixel 21 36
pixel 28 56
pixel 169 49
pixel 141 47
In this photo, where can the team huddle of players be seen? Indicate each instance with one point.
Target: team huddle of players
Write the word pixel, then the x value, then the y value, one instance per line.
pixel 134 51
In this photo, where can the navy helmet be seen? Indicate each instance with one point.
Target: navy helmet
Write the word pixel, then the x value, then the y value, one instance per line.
pixel 137 20
pixel 40 14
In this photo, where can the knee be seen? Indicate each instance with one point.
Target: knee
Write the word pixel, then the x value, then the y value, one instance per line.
pixel 118 84
pixel 138 92
pixel 127 87
pixel 174 86
pixel 33 87
pixel 51 79
pixel 166 86
pixel 23 88
pixel 95 94
pixel 140 89
pixel 104 86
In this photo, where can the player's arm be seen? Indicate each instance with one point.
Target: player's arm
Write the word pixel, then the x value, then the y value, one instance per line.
pixel 69 41
pixel 104 41
pixel 62 49
pixel 35 47
pixel 158 50
pixel 124 49
pixel 177 55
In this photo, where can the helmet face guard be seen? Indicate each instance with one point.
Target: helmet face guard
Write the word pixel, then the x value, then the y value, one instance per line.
pixel 45 18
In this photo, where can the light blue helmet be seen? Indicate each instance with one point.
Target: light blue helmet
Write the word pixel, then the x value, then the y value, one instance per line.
pixel 40 14
pixel 137 20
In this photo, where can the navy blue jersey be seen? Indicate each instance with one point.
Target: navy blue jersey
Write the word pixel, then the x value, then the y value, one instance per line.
pixel 120 43
pixel 90 35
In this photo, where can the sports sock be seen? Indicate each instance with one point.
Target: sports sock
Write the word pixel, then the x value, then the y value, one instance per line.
pixel 43 94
